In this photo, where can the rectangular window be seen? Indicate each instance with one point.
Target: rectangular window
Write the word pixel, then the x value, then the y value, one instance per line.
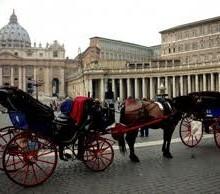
pixel 6 71
pixel 55 54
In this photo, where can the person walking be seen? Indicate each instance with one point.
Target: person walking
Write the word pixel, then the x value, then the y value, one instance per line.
pixel 144 132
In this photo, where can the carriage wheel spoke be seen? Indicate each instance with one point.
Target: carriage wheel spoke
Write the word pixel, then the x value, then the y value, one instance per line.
pixel 187 135
pixel 34 172
pixel 89 154
pixel 17 171
pixel 106 158
pixel 3 138
pixel 43 154
pixel 44 161
pixel 186 130
pixel 187 125
pixel 7 159
pixel 41 169
pixel 192 139
pixel 26 174
pixel 189 138
pixel 14 163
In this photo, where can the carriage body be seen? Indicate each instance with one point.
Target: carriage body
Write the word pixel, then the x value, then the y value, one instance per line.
pixel 201 114
pixel 30 147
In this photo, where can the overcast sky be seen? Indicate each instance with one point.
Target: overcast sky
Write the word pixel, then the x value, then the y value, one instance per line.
pixel 73 22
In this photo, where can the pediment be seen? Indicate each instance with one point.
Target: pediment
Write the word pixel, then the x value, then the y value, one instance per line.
pixel 8 55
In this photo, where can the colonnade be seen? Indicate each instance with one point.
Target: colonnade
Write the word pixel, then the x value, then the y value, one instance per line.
pixel 149 87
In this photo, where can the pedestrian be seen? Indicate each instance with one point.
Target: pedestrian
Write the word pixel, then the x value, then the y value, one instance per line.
pixel 144 132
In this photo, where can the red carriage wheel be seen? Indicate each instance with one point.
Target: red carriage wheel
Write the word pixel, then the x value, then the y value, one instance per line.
pixel 191 131
pixel 98 154
pixel 29 159
pixel 6 134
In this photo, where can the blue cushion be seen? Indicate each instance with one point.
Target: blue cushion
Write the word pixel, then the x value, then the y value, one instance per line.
pixel 66 106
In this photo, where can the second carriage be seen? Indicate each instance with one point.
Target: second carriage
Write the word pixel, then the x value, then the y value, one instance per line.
pixel 201 115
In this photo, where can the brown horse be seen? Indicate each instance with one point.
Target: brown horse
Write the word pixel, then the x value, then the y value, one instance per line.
pixel 152 114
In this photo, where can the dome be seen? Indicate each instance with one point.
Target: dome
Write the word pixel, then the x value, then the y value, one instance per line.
pixel 14 35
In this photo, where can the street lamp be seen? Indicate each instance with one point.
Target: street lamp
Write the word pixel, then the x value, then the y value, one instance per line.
pixel 36 84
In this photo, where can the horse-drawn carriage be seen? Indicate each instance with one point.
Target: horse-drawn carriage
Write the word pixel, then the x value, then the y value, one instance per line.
pixel 29 149
pixel 201 114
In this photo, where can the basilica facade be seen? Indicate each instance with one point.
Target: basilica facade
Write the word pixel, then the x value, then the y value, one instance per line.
pixel 23 64
pixel 188 60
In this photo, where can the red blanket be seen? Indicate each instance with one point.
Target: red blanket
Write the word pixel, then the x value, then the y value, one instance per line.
pixel 78 109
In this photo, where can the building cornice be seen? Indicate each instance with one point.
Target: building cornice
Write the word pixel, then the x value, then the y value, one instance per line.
pixel 191 24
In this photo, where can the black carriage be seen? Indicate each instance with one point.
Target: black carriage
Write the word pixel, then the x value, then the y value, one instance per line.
pixel 29 149
pixel 201 114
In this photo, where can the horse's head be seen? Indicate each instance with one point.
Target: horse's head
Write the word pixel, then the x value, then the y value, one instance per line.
pixel 109 112
pixel 6 95
pixel 102 115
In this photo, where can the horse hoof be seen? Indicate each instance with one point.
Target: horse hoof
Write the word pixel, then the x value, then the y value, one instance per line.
pixel 167 155
pixel 134 158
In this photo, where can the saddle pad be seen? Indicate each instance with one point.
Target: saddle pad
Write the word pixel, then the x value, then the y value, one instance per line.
pixel 134 111
pixel 132 105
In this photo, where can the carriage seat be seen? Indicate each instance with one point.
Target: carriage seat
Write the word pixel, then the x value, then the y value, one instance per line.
pixel 78 111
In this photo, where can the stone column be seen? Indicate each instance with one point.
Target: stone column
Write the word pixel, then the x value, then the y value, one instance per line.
pixel 166 86
pixel 181 85
pixel 113 88
pixel 151 88
pixel 20 77
pixel 174 86
pixel 158 85
pixel 204 82
pixel 12 76
pixel 136 89
pixel 144 89
pixel 62 83
pixel 47 81
pixel 189 83
pixel 90 88
pixel 1 82
pixel 121 96
pixel 212 82
pixel 105 84
pixel 219 82
pixel 24 79
pixel 197 82
pixel 102 90
pixel 35 74
pixel 129 87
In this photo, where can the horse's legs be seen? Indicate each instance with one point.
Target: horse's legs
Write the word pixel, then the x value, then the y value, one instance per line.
pixel 164 141
pixel 130 138
pixel 167 139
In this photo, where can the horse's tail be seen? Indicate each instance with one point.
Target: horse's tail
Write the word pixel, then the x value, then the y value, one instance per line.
pixel 121 142
pixel 174 118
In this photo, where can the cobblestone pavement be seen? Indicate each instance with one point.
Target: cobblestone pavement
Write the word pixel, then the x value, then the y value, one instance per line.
pixel 190 171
